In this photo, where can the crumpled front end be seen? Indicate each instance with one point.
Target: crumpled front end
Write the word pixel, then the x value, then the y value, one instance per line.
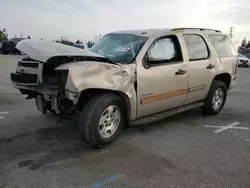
pixel 97 75
pixel 57 81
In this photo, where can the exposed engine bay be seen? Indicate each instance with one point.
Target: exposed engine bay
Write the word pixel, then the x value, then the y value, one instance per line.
pixel 48 88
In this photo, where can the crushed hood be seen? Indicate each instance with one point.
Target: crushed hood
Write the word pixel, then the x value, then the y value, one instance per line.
pixel 44 50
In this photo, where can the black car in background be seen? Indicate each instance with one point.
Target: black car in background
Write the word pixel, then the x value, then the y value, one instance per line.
pixel 9 46
pixel 247 55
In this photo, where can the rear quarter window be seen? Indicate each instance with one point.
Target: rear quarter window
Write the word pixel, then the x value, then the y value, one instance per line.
pixel 223 45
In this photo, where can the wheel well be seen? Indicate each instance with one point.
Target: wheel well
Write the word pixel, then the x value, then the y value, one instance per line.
pixel 88 93
pixel 225 78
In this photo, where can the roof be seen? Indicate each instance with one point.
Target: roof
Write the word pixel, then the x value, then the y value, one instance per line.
pixel 150 32
pixel 143 32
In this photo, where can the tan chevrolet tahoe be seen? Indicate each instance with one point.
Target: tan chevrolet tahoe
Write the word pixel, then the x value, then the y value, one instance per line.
pixel 128 77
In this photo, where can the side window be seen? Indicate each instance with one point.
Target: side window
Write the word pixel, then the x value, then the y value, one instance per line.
pixel 222 45
pixel 196 47
pixel 164 50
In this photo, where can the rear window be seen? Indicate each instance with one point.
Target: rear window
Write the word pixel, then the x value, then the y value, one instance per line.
pixel 223 45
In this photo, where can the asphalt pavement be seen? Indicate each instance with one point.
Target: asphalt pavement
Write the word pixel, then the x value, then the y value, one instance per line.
pixel 182 151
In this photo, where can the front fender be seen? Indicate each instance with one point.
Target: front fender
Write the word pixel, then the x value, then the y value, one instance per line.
pixel 96 75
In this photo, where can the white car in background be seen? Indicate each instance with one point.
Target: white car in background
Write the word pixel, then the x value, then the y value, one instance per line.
pixel 243 61
pixel 81 45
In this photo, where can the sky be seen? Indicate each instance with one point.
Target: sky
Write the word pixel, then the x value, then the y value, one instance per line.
pixel 84 19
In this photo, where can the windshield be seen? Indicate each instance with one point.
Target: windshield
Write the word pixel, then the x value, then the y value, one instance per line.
pixel 120 48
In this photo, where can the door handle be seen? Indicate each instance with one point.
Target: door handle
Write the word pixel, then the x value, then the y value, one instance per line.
pixel 181 72
pixel 210 66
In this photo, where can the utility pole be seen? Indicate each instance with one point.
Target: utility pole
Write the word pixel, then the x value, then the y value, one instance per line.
pixel 231 32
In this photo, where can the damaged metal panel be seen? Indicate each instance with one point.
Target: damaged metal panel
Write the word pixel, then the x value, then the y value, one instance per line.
pixel 44 50
pixel 82 75
pixel 87 75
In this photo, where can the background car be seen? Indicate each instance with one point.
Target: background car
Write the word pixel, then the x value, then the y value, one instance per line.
pixel 1 47
pixel 243 60
pixel 247 55
pixel 80 45
pixel 10 46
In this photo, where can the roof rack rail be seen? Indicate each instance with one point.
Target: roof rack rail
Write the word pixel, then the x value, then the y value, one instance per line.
pixel 201 29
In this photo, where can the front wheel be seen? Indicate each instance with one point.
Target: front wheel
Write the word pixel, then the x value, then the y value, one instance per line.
pixel 215 99
pixel 102 120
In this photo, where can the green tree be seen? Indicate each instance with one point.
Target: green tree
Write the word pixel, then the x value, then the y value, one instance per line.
pixel 3 35
pixel 248 44
pixel 244 42
pixel 66 42
pixel 90 44
pixel 78 42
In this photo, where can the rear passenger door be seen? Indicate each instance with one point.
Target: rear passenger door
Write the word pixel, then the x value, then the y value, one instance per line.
pixel 201 67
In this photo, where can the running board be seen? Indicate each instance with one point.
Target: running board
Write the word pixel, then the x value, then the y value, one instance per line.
pixel 164 114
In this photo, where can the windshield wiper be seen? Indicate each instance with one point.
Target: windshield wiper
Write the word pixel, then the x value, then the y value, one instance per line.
pixel 112 62
pixel 104 59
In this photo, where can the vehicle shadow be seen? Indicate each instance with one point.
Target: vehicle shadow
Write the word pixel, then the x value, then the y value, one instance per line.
pixel 56 142
pixel 61 140
pixel 171 120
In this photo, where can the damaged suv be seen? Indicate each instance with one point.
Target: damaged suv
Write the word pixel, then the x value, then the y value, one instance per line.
pixel 128 77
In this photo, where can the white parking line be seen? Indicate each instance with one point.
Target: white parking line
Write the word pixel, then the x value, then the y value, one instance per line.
pixel 223 128
pixel 1 113
pixel 4 113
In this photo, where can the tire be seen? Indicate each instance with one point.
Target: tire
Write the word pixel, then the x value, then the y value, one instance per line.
pixel 212 109
pixel 97 109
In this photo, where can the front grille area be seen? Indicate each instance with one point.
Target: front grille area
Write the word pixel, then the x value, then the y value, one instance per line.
pixel 24 78
pixel 26 72
pixel 32 64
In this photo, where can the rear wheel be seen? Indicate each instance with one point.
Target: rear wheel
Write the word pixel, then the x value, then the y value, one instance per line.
pixel 215 99
pixel 102 120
